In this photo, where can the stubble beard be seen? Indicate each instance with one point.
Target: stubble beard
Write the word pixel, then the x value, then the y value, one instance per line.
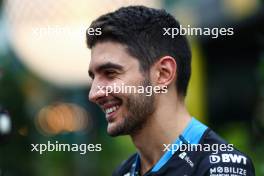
pixel 140 108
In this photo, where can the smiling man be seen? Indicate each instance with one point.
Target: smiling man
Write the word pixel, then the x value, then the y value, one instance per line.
pixel 133 51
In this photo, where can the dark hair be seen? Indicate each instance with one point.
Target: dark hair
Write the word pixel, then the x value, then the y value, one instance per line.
pixel 141 30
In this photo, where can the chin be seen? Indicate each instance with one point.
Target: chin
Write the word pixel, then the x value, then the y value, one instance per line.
pixel 114 129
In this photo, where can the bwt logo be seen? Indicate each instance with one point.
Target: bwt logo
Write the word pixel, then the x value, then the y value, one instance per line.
pixel 227 158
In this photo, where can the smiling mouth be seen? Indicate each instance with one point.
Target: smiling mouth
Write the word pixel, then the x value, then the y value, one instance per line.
pixel 111 108
pixel 110 111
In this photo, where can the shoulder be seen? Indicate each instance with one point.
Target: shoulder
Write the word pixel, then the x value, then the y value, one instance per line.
pixel 223 158
pixel 125 166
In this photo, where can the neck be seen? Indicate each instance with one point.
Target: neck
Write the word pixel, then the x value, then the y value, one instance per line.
pixel 163 127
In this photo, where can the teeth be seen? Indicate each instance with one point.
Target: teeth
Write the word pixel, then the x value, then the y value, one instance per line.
pixel 112 109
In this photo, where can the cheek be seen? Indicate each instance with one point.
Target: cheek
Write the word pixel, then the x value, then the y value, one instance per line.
pixel 127 101
pixel 133 76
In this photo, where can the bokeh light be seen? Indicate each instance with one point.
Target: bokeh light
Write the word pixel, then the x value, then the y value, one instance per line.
pixel 5 124
pixel 62 117
pixel 50 39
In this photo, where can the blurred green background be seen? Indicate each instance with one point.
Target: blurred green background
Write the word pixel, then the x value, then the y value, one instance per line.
pixel 44 81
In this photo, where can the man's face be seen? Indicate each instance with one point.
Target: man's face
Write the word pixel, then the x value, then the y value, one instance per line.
pixel 126 113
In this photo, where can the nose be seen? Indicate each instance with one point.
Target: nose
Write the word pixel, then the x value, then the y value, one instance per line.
pixel 97 91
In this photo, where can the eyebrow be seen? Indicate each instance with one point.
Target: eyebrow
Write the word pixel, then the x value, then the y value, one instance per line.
pixel 108 65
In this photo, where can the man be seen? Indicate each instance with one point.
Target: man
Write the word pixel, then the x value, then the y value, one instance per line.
pixel 133 50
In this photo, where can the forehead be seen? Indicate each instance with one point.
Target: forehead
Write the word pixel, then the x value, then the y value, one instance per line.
pixel 114 52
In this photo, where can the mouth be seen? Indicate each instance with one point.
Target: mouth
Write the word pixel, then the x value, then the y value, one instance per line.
pixel 111 111
pixel 111 107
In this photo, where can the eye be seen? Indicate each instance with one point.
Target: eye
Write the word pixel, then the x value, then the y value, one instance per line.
pixel 110 73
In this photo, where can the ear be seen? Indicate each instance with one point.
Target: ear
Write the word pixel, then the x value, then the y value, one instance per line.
pixel 165 71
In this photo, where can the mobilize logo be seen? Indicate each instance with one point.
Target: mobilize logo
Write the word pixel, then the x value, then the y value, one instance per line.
pixel 227 158
pixel 229 171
